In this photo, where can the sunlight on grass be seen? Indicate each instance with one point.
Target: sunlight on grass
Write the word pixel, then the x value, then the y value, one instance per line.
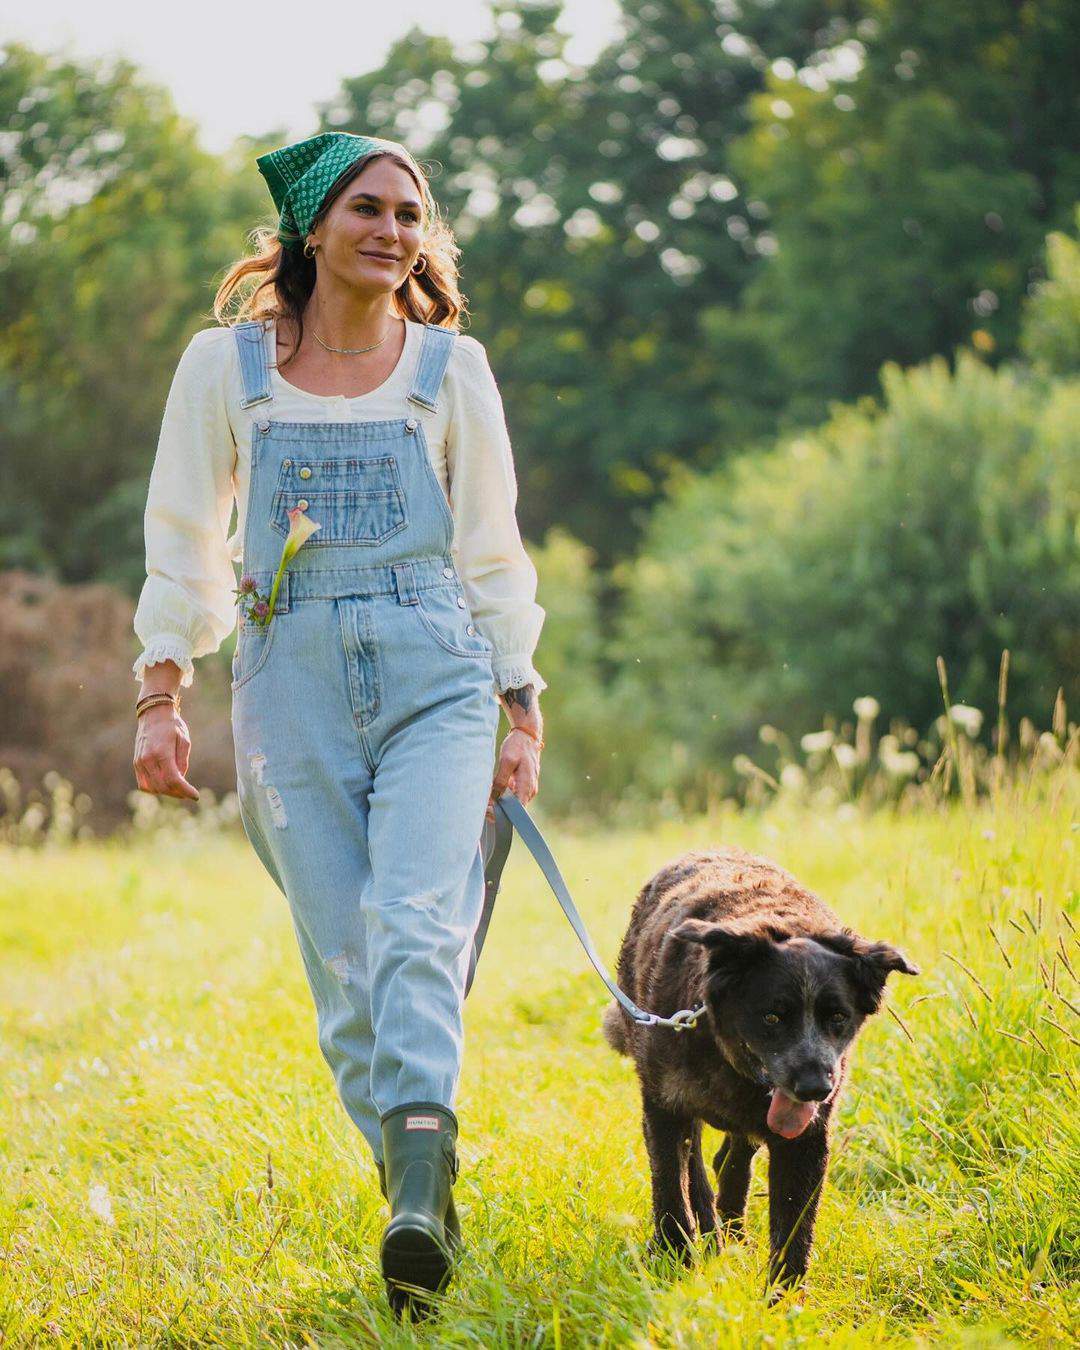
pixel 176 1167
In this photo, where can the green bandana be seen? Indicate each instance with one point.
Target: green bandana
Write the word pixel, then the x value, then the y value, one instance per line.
pixel 300 175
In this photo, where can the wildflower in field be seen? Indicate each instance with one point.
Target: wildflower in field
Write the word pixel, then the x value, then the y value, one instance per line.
pixel 899 763
pixel 100 1202
pixel 968 719
pixel 845 755
pixel 817 740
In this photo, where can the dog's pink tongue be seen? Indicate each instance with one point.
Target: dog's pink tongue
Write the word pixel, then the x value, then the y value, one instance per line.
pixel 788 1117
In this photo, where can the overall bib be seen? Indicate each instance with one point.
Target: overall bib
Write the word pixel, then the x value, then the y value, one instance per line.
pixel 364 720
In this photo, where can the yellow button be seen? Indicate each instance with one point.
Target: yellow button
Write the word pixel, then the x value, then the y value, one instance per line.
pixel 302 504
pixel 305 472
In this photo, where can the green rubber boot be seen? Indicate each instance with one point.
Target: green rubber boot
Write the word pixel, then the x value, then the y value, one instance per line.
pixel 453 1226
pixel 423 1236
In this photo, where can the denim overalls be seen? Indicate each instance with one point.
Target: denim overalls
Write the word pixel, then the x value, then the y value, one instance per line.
pixel 364 721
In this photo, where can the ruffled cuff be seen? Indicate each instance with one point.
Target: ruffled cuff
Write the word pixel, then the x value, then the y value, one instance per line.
pixel 512 672
pixel 167 647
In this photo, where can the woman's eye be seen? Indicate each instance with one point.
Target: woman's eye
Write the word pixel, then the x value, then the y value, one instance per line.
pixel 771 1019
pixel 410 216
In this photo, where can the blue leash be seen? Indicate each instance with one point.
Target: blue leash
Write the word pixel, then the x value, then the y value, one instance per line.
pixel 511 815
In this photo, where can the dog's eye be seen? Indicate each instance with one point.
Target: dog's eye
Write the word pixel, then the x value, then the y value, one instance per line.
pixel 771 1019
pixel 838 1020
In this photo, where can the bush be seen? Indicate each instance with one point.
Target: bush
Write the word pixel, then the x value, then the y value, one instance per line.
pixel 67 703
pixel 847 560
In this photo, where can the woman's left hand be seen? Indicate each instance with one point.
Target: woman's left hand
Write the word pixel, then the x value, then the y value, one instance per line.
pixel 519 769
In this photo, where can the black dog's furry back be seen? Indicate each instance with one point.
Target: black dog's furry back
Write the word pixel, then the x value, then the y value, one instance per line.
pixel 786 989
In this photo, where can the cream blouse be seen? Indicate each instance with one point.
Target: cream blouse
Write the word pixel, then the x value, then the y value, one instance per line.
pixel 203 464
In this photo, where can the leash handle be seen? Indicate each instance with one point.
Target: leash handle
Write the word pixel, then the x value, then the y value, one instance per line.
pixel 515 812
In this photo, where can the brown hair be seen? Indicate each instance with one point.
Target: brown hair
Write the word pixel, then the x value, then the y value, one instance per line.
pixel 288 277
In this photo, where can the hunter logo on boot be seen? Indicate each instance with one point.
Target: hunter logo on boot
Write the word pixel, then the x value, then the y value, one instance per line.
pixel 421 1122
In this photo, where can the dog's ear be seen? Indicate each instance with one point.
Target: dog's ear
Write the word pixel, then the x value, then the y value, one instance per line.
pixel 872 963
pixel 728 944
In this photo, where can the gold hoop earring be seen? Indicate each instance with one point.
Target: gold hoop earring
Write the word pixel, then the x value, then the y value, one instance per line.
pixel 309 250
pixel 418 271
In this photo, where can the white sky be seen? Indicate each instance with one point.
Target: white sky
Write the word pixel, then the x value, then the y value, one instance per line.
pixel 244 68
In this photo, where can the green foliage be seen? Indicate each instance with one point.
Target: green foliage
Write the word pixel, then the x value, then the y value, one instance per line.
pixel 910 181
pixel 1051 322
pixel 845 561
pixel 115 223
pixel 605 245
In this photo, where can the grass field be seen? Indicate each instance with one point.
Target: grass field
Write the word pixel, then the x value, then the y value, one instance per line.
pixel 177 1170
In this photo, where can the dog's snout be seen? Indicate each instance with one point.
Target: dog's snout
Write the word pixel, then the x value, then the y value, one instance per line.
pixel 813 1085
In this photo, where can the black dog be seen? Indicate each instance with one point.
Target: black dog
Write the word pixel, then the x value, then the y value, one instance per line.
pixel 786 989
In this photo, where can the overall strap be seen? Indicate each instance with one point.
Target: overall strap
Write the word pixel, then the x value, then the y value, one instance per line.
pixel 431 364
pixel 251 339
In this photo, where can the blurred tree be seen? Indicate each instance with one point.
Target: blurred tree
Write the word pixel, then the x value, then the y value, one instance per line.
pixel 114 225
pixel 605 248
pixel 912 170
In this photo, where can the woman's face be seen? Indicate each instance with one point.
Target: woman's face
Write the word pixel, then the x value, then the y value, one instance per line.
pixel 379 213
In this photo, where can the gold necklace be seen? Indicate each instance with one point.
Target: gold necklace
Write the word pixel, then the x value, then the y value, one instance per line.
pixel 348 351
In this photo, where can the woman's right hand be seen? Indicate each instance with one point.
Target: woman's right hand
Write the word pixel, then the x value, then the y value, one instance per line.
pixel 162 753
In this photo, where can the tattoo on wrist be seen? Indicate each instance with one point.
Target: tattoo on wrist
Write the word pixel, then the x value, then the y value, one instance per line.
pixel 524 698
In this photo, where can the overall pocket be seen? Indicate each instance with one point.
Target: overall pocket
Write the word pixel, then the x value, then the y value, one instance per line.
pixel 449 623
pixel 356 501
pixel 253 644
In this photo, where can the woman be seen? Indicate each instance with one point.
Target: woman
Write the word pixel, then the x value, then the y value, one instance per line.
pixel 365 710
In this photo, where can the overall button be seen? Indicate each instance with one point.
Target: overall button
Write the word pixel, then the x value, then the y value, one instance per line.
pixel 448 571
pixel 461 602
pixel 286 463
pixel 264 427
pixel 470 630
pixel 410 425
pixel 305 472
pixel 302 504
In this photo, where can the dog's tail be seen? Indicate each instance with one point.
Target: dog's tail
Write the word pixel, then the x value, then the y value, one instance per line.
pixel 614 1027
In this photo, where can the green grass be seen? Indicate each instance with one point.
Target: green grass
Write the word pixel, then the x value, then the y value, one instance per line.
pixel 176 1169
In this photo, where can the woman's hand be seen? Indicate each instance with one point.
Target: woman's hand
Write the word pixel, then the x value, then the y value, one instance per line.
pixel 162 753
pixel 519 769
pixel 519 756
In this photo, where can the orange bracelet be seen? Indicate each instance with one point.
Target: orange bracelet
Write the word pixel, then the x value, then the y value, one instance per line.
pixel 538 739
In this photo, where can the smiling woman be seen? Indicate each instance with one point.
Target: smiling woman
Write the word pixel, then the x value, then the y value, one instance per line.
pixel 407 616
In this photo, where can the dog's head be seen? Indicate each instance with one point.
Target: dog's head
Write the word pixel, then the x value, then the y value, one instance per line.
pixel 787 1005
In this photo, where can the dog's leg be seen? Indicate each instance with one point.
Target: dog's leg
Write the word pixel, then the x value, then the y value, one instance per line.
pixel 732 1166
pixel 796 1175
pixel 701 1195
pixel 667 1138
